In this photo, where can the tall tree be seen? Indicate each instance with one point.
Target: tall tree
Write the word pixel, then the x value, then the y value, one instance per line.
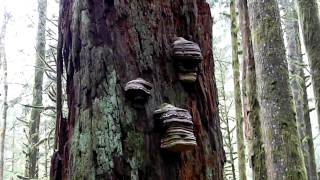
pixel 107 43
pixel 251 105
pixel 3 67
pixel 298 85
pixel 237 91
pixel 33 150
pixel 310 25
pixel 284 159
pixel 227 122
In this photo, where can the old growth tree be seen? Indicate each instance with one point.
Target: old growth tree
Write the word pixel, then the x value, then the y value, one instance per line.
pixel 284 159
pixel 104 44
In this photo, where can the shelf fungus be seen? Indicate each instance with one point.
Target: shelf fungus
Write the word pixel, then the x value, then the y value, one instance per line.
pixel 138 91
pixel 187 57
pixel 178 126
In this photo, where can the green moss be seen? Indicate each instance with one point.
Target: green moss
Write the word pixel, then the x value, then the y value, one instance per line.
pixel 106 126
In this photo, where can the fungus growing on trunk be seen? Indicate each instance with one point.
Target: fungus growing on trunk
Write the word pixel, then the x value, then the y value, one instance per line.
pixel 138 91
pixel 178 127
pixel 187 57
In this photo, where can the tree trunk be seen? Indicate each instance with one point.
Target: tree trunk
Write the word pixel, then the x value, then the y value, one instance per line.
pixel 251 110
pixel 105 44
pixel 237 92
pixel 3 64
pixel 298 86
pixel 284 159
pixel 33 154
pixel 310 25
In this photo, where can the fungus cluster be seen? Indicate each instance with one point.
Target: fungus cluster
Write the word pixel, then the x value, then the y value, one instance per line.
pixel 187 57
pixel 138 91
pixel 178 128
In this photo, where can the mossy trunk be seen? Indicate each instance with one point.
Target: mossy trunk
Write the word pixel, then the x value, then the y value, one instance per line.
pixel 310 25
pixel 237 92
pixel 251 110
pixel 33 151
pixel 4 91
pixel 284 159
pixel 104 45
pixel 298 86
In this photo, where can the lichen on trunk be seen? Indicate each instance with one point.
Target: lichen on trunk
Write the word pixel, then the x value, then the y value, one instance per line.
pixel 237 92
pixel 298 86
pixel 310 26
pixel 251 106
pixel 105 44
pixel 284 159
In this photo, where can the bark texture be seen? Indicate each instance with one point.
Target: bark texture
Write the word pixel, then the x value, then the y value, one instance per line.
pixel 251 106
pixel 310 25
pixel 33 153
pixel 237 92
pixel 284 159
pixel 298 86
pixel 104 45
pixel 4 78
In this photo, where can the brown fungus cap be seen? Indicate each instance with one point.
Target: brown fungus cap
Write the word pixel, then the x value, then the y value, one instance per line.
pixel 186 50
pixel 139 85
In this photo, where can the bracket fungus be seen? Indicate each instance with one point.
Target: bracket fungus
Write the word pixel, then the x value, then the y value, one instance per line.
pixel 178 125
pixel 187 57
pixel 138 91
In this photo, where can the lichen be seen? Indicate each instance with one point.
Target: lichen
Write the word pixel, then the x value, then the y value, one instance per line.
pixel 106 127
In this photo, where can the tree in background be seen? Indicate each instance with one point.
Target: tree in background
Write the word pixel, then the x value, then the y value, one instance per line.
pixel 107 43
pixel 33 149
pixel 227 122
pixel 237 91
pixel 284 159
pixel 4 78
pixel 298 85
pixel 251 104
pixel 310 26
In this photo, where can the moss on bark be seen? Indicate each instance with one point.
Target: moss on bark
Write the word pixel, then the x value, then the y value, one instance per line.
pixel 283 154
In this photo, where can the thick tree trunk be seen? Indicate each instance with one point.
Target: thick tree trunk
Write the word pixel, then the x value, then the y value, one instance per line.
pixel 310 25
pixel 3 66
pixel 283 154
pixel 251 110
pixel 107 43
pixel 298 86
pixel 237 92
pixel 33 154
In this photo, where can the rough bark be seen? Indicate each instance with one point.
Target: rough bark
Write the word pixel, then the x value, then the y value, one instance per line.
pixel 284 159
pixel 33 154
pixel 298 86
pixel 3 66
pixel 251 110
pixel 237 92
pixel 104 45
pixel 310 25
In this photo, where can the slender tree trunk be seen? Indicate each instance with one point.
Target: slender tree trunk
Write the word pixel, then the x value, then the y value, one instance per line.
pixel 33 154
pixel 310 25
pixel 256 150
pixel 3 64
pixel 237 92
pixel 107 43
pixel 298 86
pixel 284 159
